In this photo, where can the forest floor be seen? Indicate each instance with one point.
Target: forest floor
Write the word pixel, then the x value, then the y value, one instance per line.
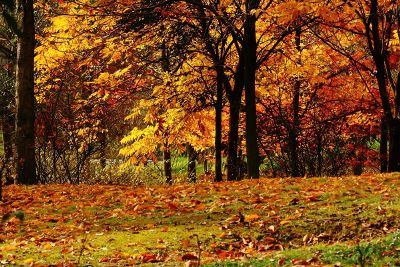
pixel 267 222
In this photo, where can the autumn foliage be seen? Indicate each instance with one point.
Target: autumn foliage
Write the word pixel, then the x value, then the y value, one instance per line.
pixel 120 225
pixel 185 132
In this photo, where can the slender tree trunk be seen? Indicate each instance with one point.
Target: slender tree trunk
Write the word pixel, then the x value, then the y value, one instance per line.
pixel 394 146
pixel 103 146
pixel 167 164
pixel 192 155
pixel 218 124
pixel 232 161
pixel 25 99
pixel 250 90
pixel 293 131
pixel 378 52
pixel 383 149
pixel 320 158
pixel 235 98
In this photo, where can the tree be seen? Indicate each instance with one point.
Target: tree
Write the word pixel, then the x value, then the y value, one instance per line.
pixel 373 27
pixel 25 99
pixel 85 79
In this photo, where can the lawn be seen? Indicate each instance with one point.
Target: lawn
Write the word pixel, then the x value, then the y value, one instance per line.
pixel 265 222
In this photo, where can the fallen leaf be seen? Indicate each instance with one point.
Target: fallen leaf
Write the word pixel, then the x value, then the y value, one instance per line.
pixel 188 257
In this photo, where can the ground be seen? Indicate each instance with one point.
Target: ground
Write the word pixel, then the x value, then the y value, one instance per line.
pixel 342 221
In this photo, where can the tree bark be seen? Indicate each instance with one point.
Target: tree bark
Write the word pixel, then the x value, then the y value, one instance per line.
pixel 250 90
pixel 383 148
pixel 205 166
pixel 394 146
pixel 103 147
pixel 192 155
pixel 294 129
pixel 320 158
pixel 218 124
pixel 25 99
pixel 167 164
pixel 233 142
pixel 379 53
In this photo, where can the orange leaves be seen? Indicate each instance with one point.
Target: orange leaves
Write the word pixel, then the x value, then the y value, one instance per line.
pixel 251 217
pixel 233 220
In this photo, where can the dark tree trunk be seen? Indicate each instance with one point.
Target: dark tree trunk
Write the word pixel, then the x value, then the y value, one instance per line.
pixel 192 155
pixel 218 124
pixel 235 97
pixel 358 169
pixel 320 158
pixel 383 148
pixel 233 142
pixel 25 99
pixel 167 164
pixel 394 146
pixel 379 53
pixel 250 90
pixel 103 146
pixel 242 164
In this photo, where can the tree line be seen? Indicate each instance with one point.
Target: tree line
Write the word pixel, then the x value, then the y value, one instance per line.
pixel 294 87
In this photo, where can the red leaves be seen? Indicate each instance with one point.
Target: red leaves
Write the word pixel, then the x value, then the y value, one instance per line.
pixel 189 257
pixel 149 258
pixel 313 198
pixel 304 262
pixel 259 215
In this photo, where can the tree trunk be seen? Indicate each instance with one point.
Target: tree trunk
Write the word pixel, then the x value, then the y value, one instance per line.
pixel 383 148
pixel 233 142
pixel 394 146
pixel 103 146
pixel 167 164
pixel 234 97
pixel 218 125
pixel 250 90
pixel 320 158
pixel 192 155
pixel 25 99
pixel 293 131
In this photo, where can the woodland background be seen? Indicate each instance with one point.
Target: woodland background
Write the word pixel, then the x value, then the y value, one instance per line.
pixel 178 96
pixel 106 91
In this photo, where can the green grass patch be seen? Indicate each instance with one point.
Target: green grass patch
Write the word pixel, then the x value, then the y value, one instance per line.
pixel 379 252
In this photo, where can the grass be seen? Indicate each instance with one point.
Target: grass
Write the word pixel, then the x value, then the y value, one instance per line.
pixel 263 222
pixel 153 173
pixel 380 252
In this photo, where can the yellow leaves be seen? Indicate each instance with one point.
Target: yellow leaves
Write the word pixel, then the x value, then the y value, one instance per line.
pixel 251 217
pixel 122 72
pixel 109 80
pixel 255 12
pixel 29 261
pixel 8 248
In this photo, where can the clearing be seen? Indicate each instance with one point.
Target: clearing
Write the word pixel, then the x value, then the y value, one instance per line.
pixel 265 222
